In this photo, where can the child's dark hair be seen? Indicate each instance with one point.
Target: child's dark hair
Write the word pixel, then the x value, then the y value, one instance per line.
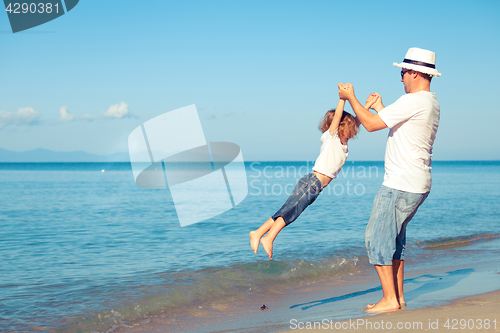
pixel 348 126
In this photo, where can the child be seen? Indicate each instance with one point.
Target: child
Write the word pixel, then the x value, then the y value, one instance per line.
pixel 337 128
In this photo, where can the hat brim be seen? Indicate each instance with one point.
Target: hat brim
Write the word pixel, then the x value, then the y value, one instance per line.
pixel 418 68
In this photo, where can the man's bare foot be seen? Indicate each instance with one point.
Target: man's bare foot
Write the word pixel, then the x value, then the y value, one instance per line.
pixel 402 305
pixel 268 246
pixel 383 306
pixel 254 241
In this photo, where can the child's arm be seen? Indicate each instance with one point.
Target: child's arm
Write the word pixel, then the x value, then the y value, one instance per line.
pixel 369 103
pixel 372 122
pixel 339 110
pixel 340 106
pixel 371 100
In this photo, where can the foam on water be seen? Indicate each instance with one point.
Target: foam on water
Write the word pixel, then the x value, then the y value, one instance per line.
pixel 454 242
pixel 188 291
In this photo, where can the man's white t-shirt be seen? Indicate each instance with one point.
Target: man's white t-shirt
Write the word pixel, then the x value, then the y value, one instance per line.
pixel 413 121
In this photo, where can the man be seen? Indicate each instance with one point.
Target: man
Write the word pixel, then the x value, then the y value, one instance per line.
pixel 413 121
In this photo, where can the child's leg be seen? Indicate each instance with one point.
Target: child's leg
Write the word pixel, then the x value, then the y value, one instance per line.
pixel 304 194
pixel 267 242
pixel 256 235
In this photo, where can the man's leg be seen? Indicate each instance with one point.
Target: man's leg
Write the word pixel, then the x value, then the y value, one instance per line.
pixel 391 212
pixel 398 269
pixel 406 208
pixel 389 301
pixel 380 238
pixel 398 276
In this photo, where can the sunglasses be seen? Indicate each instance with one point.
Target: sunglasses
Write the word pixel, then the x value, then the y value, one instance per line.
pixel 403 72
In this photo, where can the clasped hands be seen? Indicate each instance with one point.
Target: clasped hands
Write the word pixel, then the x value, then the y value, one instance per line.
pixel 374 101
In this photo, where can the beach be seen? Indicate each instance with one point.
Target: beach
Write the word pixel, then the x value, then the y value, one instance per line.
pixel 478 313
pixel 89 251
pixel 474 313
pixel 441 298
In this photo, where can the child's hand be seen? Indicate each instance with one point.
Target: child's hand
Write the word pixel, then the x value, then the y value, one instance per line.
pixel 377 103
pixel 345 91
pixel 371 100
pixel 377 106
pixel 341 86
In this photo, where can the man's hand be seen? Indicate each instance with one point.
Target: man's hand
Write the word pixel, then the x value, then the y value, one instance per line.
pixel 370 101
pixel 346 91
pixel 377 105
pixel 372 122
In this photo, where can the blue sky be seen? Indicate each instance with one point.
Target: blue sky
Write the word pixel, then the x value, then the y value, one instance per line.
pixel 261 73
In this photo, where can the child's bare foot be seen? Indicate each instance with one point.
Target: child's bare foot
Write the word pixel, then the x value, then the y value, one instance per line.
pixel 268 246
pixel 254 241
pixel 383 306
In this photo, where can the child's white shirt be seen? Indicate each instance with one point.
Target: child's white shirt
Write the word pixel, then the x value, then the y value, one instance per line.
pixel 332 155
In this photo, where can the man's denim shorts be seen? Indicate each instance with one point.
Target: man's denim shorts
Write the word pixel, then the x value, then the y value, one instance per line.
pixel 305 192
pixel 385 236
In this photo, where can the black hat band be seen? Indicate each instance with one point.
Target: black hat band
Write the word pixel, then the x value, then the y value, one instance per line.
pixel 420 63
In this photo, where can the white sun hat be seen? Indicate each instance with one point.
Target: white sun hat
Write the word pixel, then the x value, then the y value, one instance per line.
pixel 420 60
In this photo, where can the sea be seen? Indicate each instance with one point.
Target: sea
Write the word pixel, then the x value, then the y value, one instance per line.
pixel 84 249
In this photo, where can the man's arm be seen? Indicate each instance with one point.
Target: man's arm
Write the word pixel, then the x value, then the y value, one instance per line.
pixel 372 122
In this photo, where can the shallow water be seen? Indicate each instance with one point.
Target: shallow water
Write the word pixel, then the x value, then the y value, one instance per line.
pixel 83 249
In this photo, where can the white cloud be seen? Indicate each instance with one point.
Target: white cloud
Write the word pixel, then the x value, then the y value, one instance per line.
pixel 24 116
pixel 86 116
pixel 66 116
pixel 117 111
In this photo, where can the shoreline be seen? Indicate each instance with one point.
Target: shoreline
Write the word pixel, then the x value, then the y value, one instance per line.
pixel 453 292
pixel 471 313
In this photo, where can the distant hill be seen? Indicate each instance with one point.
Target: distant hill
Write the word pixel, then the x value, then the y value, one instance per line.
pixel 46 155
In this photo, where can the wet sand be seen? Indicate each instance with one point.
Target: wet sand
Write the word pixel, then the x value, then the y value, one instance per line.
pixel 478 313
pixel 459 296
pixel 447 290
